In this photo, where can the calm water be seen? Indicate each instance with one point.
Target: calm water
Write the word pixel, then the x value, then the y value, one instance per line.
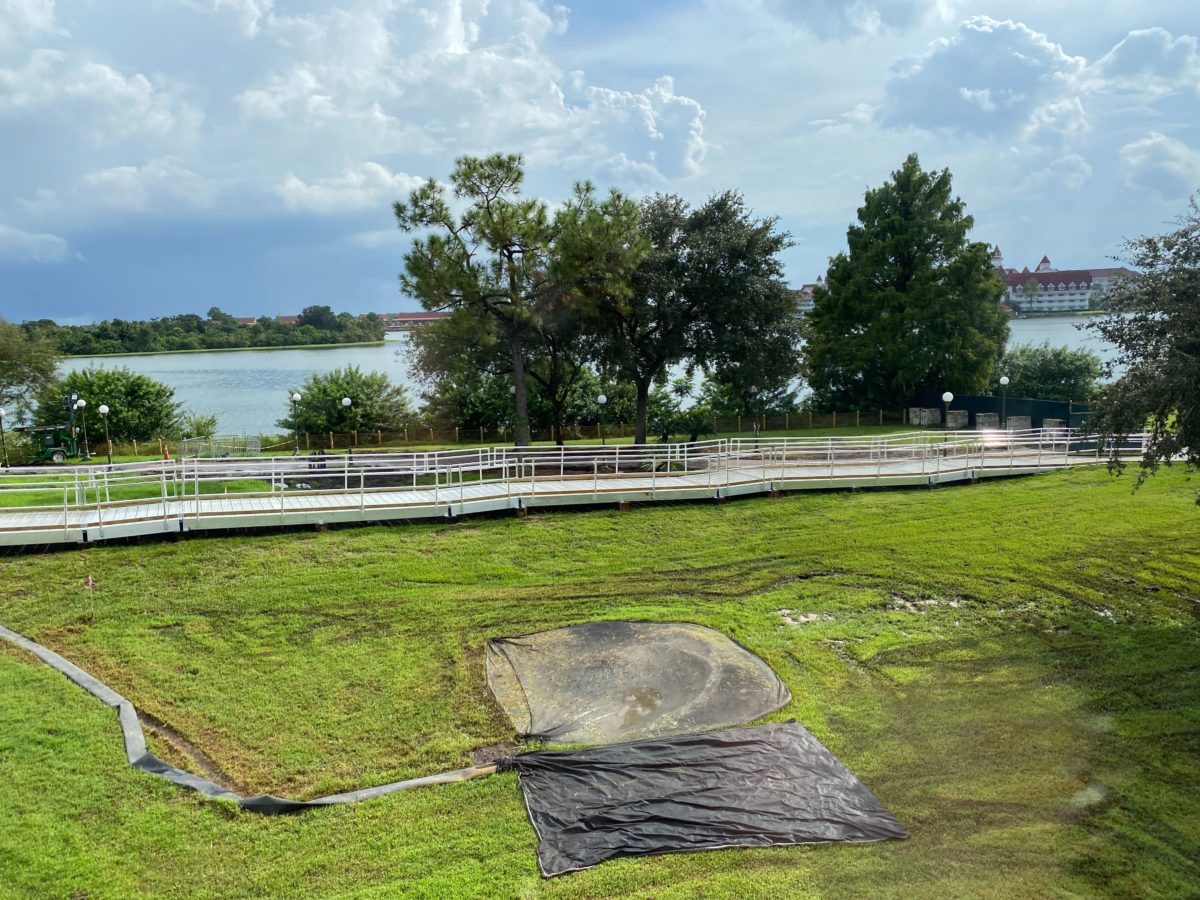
pixel 248 389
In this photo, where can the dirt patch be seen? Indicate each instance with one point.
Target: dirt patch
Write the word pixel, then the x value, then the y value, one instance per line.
pixel 481 756
pixel 899 602
pixel 199 761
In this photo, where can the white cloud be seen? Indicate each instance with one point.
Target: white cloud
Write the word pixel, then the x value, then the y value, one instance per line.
pixel 250 13
pixel 1162 164
pixel 94 99
pixel 990 78
pixel 1071 172
pixel 842 18
pixel 25 19
pixel 17 246
pixel 367 186
pixel 1150 63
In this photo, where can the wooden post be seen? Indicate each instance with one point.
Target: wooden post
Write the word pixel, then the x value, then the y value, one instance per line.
pixel 406 434
pixel 785 421
pixel 880 416
pixel 810 418
pixel 904 416
pixel 835 418
pixel 857 418
pixel 307 442
pixel 739 423
pixel 331 440
pixel 431 434
pixel 456 440
pixel 379 435
pixel 135 449
pixel 481 434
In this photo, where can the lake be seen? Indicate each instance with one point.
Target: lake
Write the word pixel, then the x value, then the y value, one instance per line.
pixel 248 390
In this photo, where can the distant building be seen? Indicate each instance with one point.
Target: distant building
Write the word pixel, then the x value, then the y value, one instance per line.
pixel 288 320
pixel 1047 289
pixel 804 296
pixel 245 320
pixel 406 321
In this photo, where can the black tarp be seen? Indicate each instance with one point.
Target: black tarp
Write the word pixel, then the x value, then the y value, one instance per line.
pixel 751 787
pixel 601 682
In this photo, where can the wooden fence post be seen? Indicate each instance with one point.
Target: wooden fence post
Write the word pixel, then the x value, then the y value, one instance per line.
pixel 857 418
pixel 481 434
pixel 456 434
pixel 307 442
pixel 135 449
pixel 835 418
pixel 785 421
pixel 881 416
pixel 331 440
pixel 739 423
pixel 379 435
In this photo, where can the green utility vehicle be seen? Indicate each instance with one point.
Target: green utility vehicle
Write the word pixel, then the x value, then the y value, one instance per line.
pixel 52 443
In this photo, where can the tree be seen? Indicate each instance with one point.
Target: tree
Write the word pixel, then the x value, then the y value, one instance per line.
pixel 499 257
pixel 27 364
pixel 140 408
pixel 376 403
pixel 1048 373
pixel 913 307
pixel 1155 327
pixel 709 292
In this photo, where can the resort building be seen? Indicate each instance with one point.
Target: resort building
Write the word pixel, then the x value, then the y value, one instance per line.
pixel 804 296
pixel 1047 289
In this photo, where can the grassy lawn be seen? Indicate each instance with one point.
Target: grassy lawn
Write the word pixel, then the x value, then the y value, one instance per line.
pixel 1012 667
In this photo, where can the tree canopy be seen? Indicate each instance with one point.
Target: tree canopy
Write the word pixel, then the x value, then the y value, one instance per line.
pixel 140 408
pixel 504 257
pixel 1048 373
pixel 913 306
pixel 375 403
pixel 27 365
pixel 709 293
pixel 1155 327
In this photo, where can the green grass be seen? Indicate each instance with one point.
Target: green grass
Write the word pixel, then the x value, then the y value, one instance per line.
pixel 1011 667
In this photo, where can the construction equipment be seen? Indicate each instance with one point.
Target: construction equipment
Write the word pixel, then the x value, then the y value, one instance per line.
pixel 52 443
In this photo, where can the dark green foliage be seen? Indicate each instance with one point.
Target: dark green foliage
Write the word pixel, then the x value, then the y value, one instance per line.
pixel 913 306
pixel 376 403
pixel 219 331
pixel 140 408
pixel 1048 373
pixel 1155 326
pixel 27 365
pixel 710 292
pixel 506 261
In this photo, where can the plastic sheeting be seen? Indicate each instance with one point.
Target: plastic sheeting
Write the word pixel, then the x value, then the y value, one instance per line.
pixel 601 682
pixel 751 787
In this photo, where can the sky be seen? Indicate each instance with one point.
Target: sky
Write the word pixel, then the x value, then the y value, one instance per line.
pixel 164 156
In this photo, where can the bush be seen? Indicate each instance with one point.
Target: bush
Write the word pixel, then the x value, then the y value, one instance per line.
pixel 1048 373
pixel 140 408
pixel 377 403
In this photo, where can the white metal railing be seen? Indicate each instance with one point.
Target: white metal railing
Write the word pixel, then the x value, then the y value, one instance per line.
pixel 91 497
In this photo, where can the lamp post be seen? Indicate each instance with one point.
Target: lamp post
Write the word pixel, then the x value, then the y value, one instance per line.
pixel 512 392
pixel 1004 401
pixel 296 398
pixel 81 405
pixel 947 398
pixel 346 404
pixel 600 424
pixel 3 446
pixel 103 410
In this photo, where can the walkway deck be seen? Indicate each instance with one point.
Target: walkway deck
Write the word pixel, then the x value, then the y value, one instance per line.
pixel 90 504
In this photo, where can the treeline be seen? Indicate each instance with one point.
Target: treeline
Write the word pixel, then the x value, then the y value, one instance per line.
pixel 217 331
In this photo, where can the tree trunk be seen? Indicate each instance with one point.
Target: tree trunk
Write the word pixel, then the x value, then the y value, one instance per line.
pixel 520 394
pixel 643 398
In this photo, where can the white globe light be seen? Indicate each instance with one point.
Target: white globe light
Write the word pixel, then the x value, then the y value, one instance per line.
pixel 296 398
pixel 601 399
pixel 346 401
pixel 947 397
pixel 1004 380
pixel 104 409
pixel 80 403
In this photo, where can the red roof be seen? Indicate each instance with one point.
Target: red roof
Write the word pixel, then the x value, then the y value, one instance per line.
pixel 1061 276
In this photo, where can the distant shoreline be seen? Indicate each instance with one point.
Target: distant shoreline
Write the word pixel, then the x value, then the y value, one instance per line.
pixel 1061 314
pixel 226 350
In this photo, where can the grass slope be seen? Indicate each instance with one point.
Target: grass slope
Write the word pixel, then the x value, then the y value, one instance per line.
pixel 1012 667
